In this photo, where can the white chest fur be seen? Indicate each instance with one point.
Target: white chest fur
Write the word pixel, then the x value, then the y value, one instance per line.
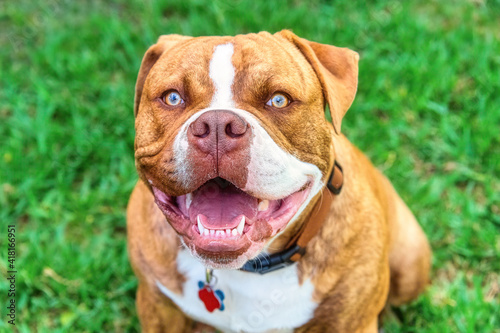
pixel 254 303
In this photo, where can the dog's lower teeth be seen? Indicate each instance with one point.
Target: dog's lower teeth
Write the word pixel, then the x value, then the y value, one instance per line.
pixel 221 233
pixel 200 226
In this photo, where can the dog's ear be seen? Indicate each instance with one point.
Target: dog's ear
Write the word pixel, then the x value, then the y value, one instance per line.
pixel 337 70
pixel 152 55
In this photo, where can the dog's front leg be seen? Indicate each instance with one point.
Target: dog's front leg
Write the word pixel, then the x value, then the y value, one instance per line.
pixel 322 328
pixel 371 328
pixel 159 315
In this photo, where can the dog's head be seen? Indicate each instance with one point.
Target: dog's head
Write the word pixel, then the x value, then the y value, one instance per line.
pixel 232 138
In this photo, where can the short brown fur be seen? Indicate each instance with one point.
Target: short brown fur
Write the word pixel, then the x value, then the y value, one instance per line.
pixel 370 249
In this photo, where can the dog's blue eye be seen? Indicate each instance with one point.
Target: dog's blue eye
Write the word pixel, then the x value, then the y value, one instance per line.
pixel 173 98
pixel 278 101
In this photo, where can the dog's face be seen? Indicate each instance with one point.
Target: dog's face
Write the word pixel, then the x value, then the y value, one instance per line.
pixel 231 135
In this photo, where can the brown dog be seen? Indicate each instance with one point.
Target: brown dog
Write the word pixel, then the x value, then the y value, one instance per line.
pixel 242 173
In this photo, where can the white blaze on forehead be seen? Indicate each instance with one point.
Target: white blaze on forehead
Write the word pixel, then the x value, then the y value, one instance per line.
pixel 222 75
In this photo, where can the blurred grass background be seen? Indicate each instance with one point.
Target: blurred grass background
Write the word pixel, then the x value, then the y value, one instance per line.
pixel 427 113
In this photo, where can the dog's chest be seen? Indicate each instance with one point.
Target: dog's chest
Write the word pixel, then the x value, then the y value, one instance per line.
pixel 274 302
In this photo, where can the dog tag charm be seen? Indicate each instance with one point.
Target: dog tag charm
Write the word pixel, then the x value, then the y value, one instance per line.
pixel 211 297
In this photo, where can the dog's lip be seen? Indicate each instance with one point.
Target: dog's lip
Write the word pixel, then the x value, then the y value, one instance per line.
pixel 278 213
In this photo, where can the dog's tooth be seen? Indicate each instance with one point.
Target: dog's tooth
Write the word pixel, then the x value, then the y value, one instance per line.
pixel 240 226
pixel 189 198
pixel 263 205
pixel 219 233
pixel 206 232
pixel 200 226
pixel 228 232
pixel 212 232
pixel 234 232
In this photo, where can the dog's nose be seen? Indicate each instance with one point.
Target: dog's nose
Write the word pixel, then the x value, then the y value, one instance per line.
pixel 219 132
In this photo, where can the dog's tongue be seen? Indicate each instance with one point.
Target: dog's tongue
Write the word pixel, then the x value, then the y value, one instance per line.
pixel 222 204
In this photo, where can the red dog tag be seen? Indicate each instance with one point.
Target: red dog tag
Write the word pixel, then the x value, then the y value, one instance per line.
pixel 212 298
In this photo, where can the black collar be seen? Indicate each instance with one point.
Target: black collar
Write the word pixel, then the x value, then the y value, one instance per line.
pixel 265 263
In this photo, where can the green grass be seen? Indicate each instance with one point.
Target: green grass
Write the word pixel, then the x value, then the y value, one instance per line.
pixel 427 113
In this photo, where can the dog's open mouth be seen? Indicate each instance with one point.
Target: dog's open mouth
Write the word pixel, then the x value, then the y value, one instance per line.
pixel 219 217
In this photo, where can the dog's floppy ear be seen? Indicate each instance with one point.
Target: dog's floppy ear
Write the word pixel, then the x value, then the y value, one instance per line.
pixel 337 70
pixel 152 55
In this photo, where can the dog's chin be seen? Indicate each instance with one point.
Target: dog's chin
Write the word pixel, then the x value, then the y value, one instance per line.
pixel 224 226
pixel 224 259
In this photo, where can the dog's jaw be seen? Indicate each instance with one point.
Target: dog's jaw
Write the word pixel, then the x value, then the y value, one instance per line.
pixel 264 173
pixel 224 226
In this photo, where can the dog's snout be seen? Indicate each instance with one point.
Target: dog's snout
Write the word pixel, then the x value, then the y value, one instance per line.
pixel 219 131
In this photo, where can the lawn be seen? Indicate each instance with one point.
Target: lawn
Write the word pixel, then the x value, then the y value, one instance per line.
pixel 427 113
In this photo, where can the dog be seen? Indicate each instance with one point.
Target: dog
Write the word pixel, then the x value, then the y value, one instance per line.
pixel 253 212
